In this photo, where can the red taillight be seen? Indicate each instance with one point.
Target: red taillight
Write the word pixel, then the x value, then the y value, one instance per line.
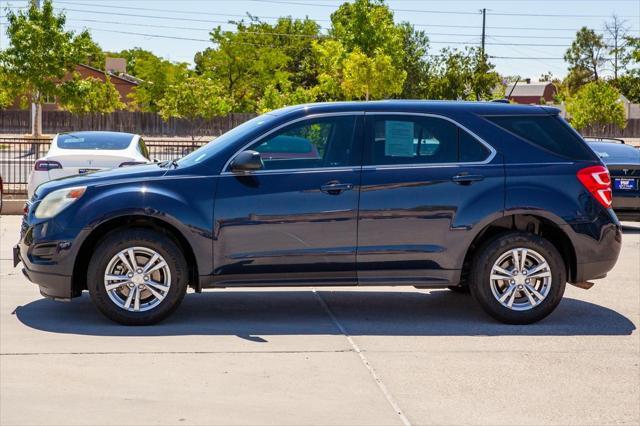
pixel 44 165
pixel 597 180
pixel 131 163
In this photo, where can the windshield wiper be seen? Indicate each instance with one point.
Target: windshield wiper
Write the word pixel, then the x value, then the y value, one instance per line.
pixel 166 163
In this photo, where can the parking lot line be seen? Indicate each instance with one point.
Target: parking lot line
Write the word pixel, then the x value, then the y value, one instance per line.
pixel 365 361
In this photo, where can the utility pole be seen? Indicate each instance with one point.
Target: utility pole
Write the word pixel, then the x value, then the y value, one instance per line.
pixel 36 108
pixel 484 21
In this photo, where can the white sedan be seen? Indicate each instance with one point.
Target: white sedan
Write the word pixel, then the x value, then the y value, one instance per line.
pixel 84 152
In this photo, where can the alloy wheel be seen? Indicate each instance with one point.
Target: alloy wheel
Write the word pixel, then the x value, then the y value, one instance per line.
pixel 520 279
pixel 137 279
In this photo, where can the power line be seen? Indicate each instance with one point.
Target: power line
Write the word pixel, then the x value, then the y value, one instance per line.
pixel 498 43
pixel 299 3
pixel 267 33
pixel 149 9
pixel 519 28
pixel 526 57
pixel 466 43
pixel 546 15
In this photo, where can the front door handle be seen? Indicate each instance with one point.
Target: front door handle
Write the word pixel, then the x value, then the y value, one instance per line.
pixel 335 187
pixel 466 179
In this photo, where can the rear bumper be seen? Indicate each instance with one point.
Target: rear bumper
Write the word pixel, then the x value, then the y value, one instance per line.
pixel 597 247
pixel 595 270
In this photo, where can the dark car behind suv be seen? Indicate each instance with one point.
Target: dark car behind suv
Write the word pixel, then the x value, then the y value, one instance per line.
pixel 507 201
pixel 623 163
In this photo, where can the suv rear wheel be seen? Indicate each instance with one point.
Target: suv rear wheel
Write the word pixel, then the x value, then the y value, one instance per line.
pixel 518 278
pixel 137 276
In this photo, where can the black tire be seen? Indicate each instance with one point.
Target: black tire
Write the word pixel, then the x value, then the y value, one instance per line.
pixel 462 289
pixel 119 240
pixel 491 251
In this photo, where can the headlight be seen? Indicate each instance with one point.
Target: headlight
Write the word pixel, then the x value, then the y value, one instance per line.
pixel 54 203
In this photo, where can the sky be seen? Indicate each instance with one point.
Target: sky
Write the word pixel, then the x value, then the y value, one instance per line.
pixel 523 37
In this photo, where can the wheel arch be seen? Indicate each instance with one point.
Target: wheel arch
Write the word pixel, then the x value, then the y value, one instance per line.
pixel 531 223
pixel 79 278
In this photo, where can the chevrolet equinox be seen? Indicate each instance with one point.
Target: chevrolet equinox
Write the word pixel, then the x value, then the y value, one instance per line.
pixel 505 201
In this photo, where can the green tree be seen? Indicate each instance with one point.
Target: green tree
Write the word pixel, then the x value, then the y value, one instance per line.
pixel 330 56
pixel 414 62
pixel 596 105
pixel 6 94
pixel 367 25
pixel 81 96
pixel 371 77
pixel 40 53
pixel 585 57
pixel 257 57
pixel 484 78
pixel 462 74
pixel 156 75
pixel 629 82
pixel 274 98
pixel 195 99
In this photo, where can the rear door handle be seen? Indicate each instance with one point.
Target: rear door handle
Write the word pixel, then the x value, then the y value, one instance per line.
pixel 464 179
pixel 335 188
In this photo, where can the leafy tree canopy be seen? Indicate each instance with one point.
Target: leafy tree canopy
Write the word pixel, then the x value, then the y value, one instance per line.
pixel 371 77
pixel 368 26
pixel 193 98
pixel 41 52
pixel 84 95
pixel 585 57
pixel 155 74
pixel 258 55
pixel 596 105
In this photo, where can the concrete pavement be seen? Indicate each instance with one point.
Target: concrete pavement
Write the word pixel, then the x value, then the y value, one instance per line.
pixel 334 356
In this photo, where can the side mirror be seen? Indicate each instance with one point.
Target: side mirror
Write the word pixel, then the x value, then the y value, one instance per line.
pixel 247 161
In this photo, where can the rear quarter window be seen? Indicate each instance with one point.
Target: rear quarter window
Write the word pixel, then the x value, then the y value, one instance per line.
pixel 548 132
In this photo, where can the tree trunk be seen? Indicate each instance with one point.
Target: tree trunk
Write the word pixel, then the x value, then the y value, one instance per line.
pixel 36 119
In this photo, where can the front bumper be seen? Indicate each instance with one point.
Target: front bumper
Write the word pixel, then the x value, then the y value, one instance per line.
pixel 47 250
pixel 52 285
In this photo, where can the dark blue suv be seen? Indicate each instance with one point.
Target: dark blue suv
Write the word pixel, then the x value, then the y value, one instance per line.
pixel 506 201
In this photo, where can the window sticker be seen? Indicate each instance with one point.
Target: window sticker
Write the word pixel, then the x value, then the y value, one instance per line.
pixel 398 138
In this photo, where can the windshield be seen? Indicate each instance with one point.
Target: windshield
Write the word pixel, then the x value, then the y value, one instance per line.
pixel 220 143
pixel 109 141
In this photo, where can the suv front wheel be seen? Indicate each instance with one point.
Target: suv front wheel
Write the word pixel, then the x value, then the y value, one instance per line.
pixel 518 278
pixel 137 276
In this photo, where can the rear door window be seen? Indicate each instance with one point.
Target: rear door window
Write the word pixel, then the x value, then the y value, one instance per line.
pixel 397 139
pixel 549 132
pixel 470 150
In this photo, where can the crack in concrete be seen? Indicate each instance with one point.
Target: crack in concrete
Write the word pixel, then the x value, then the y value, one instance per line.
pixel 390 399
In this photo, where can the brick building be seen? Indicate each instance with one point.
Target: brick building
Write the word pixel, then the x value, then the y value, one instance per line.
pixel 123 82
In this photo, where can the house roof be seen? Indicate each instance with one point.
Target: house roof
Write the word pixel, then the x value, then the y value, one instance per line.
pixel 125 77
pixel 530 89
